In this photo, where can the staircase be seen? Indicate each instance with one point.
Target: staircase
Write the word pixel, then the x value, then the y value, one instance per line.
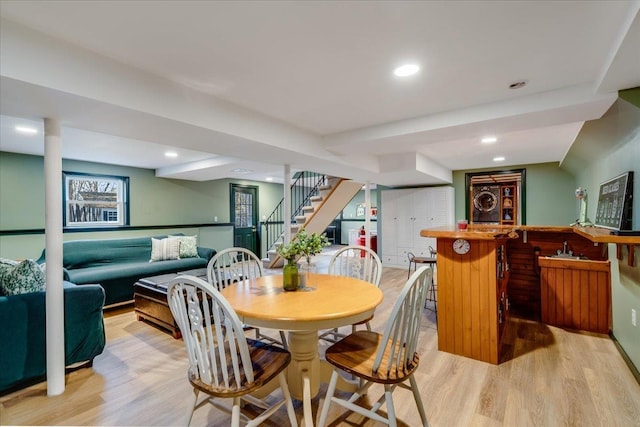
pixel 323 204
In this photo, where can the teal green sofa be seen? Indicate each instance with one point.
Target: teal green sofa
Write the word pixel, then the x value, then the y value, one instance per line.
pixel 23 358
pixel 116 264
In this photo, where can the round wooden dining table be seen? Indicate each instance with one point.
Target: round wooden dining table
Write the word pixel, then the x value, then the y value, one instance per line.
pixel 327 302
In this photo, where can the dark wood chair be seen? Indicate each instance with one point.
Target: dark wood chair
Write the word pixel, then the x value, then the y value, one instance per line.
pixel 389 359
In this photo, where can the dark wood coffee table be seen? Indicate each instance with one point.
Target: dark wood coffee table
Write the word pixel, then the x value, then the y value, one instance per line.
pixel 150 299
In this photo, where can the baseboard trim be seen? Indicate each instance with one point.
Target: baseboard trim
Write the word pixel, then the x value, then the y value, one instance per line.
pixel 634 370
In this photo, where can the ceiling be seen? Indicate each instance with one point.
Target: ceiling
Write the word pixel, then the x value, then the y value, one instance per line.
pixel 251 86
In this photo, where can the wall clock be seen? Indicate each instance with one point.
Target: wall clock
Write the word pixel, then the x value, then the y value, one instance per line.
pixel 461 246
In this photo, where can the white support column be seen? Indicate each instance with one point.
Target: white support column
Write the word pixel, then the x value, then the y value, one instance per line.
pixel 367 213
pixel 286 188
pixel 53 246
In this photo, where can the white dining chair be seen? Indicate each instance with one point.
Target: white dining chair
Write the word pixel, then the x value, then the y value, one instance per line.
pixel 223 362
pixel 361 263
pixel 389 358
pixel 236 264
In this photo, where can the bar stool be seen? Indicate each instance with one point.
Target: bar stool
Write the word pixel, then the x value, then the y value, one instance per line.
pixel 432 292
pixel 415 260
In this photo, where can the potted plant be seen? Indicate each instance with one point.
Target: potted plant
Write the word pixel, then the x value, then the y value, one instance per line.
pixel 310 245
pixel 303 245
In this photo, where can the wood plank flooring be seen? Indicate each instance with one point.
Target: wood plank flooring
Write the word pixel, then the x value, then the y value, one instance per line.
pixel 548 377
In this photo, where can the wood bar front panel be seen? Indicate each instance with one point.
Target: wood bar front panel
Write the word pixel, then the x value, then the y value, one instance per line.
pixel 524 281
pixel 467 300
pixel 575 294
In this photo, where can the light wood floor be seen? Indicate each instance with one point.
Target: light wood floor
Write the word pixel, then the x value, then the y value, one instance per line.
pixel 551 377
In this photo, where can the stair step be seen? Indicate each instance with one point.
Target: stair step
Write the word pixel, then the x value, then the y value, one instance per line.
pixel 316 199
pixel 301 219
pixel 308 209
pixel 332 180
pixel 316 203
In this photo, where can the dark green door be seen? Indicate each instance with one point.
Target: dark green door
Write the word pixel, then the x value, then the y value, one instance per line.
pixel 244 216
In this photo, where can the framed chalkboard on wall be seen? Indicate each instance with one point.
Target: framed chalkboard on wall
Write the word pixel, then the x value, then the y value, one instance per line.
pixel 614 203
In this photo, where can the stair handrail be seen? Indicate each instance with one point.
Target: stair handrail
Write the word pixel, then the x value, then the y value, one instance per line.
pixel 306 185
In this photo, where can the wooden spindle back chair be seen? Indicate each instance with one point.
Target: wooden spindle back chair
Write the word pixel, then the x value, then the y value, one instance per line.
pixel 223 363
pixel 359 262
pixel 236 264
pixel 389 358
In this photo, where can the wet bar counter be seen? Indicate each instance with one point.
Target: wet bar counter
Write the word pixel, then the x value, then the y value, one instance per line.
pixel 472 290
pixel 485 273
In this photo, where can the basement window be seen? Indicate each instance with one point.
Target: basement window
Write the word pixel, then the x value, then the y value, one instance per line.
pixel 95 201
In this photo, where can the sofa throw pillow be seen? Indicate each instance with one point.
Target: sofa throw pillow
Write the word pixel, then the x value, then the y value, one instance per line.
pixel 165 249
pixel 188 246
pixel 23 278
pixel 9 261
pixel 5 266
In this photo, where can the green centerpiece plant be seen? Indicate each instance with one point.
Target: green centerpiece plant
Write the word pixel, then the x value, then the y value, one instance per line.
pixel 310 245
pixel 303 245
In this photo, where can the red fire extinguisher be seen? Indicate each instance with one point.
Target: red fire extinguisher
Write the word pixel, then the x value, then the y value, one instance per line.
pixel 362 240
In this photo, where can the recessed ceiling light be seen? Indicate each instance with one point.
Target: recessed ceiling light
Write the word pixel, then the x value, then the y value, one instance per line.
pixel 498 159
pixel 518 85
pixel 488 139
pixel 406 70
pixel 27 130
pixel 241 170
pixel 269 178
pixel 171 154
